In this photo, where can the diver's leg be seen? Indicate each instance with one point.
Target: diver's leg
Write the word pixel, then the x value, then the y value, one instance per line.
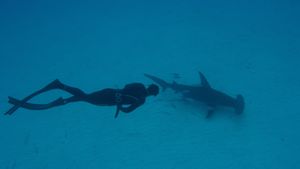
pixel 72 90
pixel 104 97
pixel 56 84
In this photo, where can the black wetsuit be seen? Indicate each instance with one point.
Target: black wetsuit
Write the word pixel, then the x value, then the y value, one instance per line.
pixel 132 96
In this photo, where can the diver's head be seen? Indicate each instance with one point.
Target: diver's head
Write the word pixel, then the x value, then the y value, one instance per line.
pixel 153 90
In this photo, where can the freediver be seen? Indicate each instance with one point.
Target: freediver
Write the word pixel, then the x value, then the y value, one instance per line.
pixel 126 100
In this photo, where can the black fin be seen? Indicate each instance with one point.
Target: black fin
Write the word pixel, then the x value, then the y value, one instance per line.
pixel 240 104
pixel 48 87
pixel 210 112
pixel 204 81
pixel 32 106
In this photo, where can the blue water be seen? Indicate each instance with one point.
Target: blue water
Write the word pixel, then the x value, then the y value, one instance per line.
pixel 242 47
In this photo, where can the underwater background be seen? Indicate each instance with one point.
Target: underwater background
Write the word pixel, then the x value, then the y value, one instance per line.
pixel 248 47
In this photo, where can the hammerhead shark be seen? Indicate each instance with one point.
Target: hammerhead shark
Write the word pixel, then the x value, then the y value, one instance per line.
pixel 203 93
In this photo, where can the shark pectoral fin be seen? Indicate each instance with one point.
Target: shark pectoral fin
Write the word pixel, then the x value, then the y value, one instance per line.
pixel 210 112
pixel 240 104
pixel 204 81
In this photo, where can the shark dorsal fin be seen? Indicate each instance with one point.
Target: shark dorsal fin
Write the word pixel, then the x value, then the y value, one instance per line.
pixel 175 84
pixel 204 82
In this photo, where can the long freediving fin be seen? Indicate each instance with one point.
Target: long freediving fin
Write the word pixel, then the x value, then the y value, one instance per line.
pixel 48 87
pixel 32 106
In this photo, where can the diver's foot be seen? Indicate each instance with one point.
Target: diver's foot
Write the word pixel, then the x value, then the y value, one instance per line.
pixel 56 84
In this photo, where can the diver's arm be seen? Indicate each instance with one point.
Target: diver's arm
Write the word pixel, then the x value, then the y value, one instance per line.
pixel 130 108
pixel 133 106
pixel 125 109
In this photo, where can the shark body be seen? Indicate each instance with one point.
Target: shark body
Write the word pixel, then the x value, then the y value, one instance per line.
pixel 203 93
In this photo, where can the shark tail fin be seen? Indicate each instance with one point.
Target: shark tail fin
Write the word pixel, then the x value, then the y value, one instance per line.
pixel 240 104
pixel 163 84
